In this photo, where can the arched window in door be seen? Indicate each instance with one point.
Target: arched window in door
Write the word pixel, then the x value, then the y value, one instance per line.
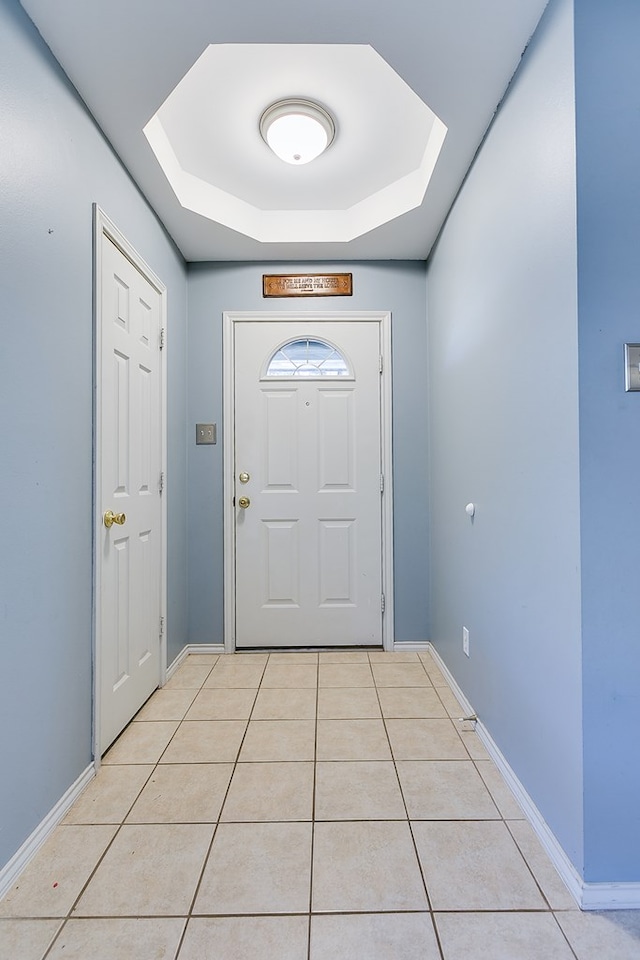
pixel 305 357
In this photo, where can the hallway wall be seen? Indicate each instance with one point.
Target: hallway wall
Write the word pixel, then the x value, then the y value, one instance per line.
pixel 608 140
pixel 395 286
pixel 502 308
pixel 54 163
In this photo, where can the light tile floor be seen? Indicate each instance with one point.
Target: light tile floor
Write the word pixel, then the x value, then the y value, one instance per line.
pixel 301 806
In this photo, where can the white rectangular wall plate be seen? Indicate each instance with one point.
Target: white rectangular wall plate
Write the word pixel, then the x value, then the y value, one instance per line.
pixel 631 366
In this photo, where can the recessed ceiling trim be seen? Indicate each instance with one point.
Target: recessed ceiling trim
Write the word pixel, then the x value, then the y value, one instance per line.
pixel 296 226
pixel 404 173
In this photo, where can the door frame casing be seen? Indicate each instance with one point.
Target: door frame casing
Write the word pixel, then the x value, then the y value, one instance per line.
pixel 103 227
pixel 229 319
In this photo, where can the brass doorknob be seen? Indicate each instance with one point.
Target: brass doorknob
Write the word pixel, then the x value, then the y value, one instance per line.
pixel 244 502
pixel 110 518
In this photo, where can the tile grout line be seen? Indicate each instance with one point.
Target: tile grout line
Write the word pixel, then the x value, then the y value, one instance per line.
pixel 207 855
pixel 408 820
pixel 313 808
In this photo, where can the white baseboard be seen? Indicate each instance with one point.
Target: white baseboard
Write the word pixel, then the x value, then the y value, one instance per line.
pixel 199 648
pixel 610 896
pixel 12 870
pixel 421 646
pixel 588 896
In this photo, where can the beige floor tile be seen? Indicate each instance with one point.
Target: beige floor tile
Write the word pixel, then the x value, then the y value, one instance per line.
pixel 205 741
pixel 348 703
pixel 235 673
pixel 473 743
pixel 285 705
pixel 141 742
pixel 425 740
pixel 374 936
pixel 26 939
pixel 183 793
pixel 503 798
pixel 345 675
pixel 52 881
pixel 279 740
pixel 110 795
pixel 222 704
pixel 295 657
pixel 149 870
pixel 474 865
pixel 203 659
pixel 166 705
pixel 257 868
pixel 189 676
pixel 400 675
pixel 614 935
pixel 543 870
pixel 394 656
pixel 352 740
pixel 450 702
pixel 411 702
pixel 362 790
pixel 445 790
pixel 436 676
pixel 344 656
pixel 290 675
pixel 119 939
pixel 236 938
pixel 270 791
pixel 365 867
pixel 502 936
pixel 247 658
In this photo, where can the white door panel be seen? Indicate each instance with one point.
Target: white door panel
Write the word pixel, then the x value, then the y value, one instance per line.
pixel 309 546
pixel 129 596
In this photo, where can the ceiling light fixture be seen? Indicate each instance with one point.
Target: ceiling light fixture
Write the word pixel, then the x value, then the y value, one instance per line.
pixel 297 130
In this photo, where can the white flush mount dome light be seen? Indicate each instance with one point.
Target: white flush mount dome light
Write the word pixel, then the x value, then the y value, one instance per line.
pixel 297 130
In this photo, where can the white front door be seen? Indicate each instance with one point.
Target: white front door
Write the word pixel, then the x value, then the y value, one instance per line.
pixel 308 470
pixel 128 485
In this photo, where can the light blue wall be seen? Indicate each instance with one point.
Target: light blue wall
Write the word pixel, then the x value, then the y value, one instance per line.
pixel 395 286
pixel 54 164
pixel 502 307
pixel 608 140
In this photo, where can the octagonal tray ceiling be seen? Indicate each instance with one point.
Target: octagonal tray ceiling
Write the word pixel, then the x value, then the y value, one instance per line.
pixel 126 57
pixel 378 167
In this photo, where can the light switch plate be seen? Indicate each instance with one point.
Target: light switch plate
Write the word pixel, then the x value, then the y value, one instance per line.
pixel 632 366
pixel 206 433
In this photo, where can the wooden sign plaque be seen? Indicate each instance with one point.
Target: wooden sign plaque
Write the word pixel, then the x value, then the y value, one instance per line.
pixel 308 285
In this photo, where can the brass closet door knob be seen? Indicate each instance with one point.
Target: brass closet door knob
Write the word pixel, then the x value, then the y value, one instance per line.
pixel 110 518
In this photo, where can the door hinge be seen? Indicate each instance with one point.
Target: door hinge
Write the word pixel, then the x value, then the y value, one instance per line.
pixel 382 483
pixel 162 626
pixel 162 338
pixel 382 602
pixel 381 362
pixel 161 482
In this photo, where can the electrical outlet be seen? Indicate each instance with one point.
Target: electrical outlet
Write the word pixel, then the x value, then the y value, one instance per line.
pixel 465 641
